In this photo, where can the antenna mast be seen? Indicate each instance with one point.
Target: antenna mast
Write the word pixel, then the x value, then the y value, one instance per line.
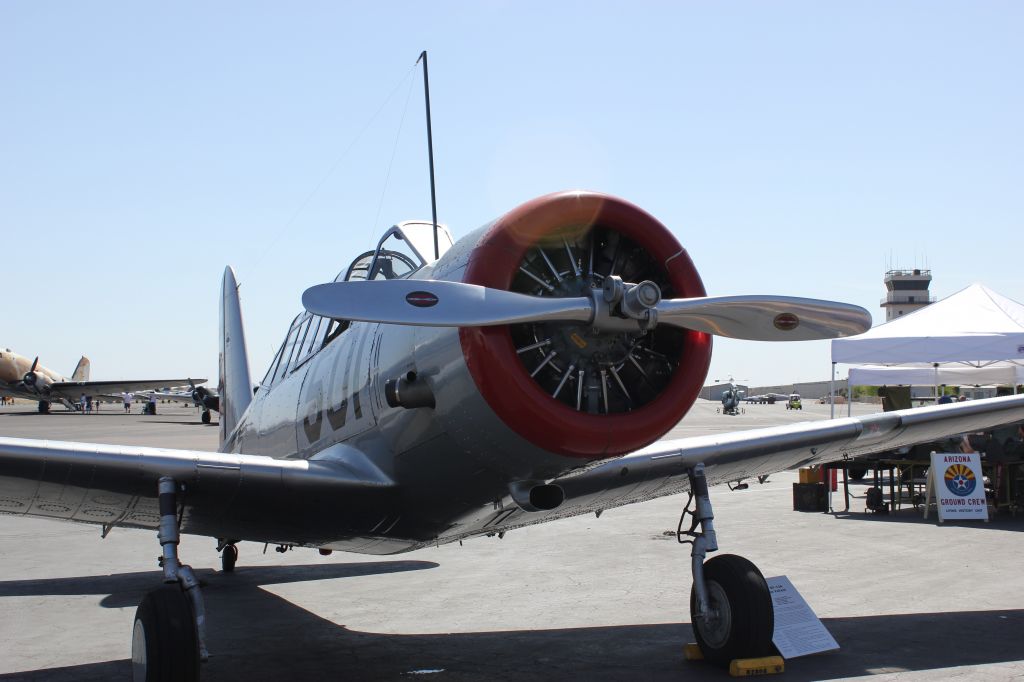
pixel 430 150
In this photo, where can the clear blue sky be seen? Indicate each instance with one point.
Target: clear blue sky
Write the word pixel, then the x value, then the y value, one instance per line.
pixel 796 148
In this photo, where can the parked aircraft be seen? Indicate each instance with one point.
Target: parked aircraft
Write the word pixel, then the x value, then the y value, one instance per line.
pixel 766 398
pixel 429 395
pixel 21 378
pixel 731 398
pixel 202 397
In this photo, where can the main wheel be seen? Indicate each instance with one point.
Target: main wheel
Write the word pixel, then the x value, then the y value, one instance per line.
pixel 206 416
pixel 857 472
pixel 228 557
pixel 164 643
pixel 741 620
pixel 44 406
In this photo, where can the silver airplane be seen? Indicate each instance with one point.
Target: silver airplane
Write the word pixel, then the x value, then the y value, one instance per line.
pixel 436 392
pixel 203 398
pixel 21 378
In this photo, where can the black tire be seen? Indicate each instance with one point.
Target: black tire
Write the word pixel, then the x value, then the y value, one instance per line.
pixel 857 472
pixel 44 407
pixel 746 620
pixel 164 643
pixel 206 416
pixel 228 557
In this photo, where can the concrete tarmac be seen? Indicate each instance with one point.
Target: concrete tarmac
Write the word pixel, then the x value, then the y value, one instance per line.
pixel 580 599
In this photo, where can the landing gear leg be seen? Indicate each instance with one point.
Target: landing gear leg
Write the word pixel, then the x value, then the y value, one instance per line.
pixel 730 605
pixel 168 639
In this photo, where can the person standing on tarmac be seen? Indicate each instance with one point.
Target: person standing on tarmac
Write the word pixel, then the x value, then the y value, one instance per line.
pixel 128 403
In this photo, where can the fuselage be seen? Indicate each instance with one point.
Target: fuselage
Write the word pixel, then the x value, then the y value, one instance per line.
pixel 13 368
pixel 484 418
pixel 453 464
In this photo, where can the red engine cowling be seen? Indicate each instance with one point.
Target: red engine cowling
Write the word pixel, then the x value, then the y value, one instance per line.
pixel 563 386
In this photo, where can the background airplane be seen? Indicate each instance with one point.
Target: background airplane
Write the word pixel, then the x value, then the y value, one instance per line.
pixel 27 379
pixel 204 398
pixel 521 375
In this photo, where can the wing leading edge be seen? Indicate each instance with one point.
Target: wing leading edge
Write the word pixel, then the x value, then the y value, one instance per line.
pixel 661 469
pixel 73 389
pixel 225 495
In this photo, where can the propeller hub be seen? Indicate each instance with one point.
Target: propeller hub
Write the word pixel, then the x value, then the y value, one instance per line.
pixel 619 360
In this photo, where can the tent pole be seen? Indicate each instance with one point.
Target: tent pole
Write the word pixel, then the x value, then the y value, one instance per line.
pixel 849 395
pixel 832 393
pixel 936 366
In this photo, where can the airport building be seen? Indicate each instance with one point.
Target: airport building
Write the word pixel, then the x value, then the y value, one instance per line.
pixel 809 390
pixel 715 391
pixel 906 291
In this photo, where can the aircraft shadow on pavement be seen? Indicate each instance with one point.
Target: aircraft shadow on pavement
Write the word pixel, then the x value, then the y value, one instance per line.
pixel 184 423
pixel 256 635
pixel 57 414
pixel 127 589
pixel 1004 522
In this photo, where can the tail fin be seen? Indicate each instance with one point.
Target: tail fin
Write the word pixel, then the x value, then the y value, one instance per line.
pixel 81 370
pixel 235 385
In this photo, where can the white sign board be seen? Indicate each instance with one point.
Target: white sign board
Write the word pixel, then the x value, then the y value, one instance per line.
pixel 958 486
pixel 798 632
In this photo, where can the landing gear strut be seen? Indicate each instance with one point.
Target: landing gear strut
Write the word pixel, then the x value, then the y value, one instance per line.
pixel 730 605
pixel 170 623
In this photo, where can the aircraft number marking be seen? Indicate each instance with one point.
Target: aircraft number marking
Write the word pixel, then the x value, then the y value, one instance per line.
pixel 337 414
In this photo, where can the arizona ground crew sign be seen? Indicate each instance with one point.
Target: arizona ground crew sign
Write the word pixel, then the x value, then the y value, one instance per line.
pixel 958 486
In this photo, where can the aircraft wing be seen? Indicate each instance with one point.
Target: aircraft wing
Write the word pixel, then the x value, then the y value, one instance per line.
pixel 660 469
pixel 182 396
pixel 74 389
pixel 224 495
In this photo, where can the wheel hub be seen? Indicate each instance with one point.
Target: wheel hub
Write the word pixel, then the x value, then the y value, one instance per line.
pixel 716 624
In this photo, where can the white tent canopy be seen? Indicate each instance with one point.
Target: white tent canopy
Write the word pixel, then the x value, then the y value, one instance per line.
pixel 996 373
pixel 975 326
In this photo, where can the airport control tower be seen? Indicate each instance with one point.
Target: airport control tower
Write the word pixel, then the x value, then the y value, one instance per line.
pixel 907 291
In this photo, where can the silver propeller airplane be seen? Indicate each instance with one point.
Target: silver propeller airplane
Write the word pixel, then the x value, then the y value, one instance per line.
pixel 203 398
pixel 21 378
pixel 436 392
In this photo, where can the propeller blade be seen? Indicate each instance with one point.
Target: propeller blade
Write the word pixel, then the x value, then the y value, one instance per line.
pixel 765 318
pixel 34 363
pixel 435 303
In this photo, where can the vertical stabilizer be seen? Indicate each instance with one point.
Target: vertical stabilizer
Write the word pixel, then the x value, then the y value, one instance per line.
pixel 235 385
pixel 81 370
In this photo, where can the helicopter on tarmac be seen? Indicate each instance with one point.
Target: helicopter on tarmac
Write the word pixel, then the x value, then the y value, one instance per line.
pixel 731 399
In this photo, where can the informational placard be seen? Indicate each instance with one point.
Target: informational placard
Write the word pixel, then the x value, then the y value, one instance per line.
pixel 798 632
pixel 955 480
